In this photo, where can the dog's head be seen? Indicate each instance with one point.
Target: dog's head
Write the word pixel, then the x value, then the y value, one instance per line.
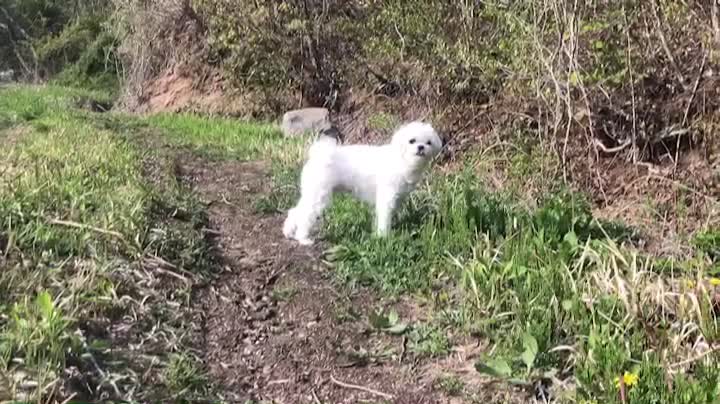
pixel 417 142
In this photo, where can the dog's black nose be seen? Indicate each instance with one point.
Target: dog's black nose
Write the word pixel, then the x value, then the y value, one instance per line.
pixel 421 147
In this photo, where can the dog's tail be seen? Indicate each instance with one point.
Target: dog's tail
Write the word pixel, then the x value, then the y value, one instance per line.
pixel 324 144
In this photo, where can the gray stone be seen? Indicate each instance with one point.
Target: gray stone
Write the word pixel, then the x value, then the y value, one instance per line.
pixel 7 76
pixel 302 121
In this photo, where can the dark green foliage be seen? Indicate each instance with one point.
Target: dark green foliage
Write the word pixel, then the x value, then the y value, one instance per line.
pixel 42 38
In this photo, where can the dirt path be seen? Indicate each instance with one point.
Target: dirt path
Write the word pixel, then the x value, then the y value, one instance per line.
pixel 275 326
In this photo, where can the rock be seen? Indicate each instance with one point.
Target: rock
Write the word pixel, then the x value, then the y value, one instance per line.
pixel 302 121
pixel 7 76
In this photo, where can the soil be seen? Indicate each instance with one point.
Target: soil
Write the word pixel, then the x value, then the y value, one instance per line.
pixel 277 327
pixel 176 91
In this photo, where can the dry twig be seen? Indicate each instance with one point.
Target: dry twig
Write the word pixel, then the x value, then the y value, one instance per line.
pixel 695 87
pixel 663 42
pixel 315 397
pixel 695 358
pixel 715 16
pixel 26 37
pixel 68 223
pixel 611 150
pixel 361 388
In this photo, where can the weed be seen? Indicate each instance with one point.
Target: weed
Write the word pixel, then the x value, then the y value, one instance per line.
pixel 709 243
pixel 284 192
pixel 38 333
pixel 344 312
pixel 548 286
pixel 551 288
pixel 383 122
pixel 82 221
pixel 183 375
pixel 226 138
pixel 449 384
pixel 389 323
pixel 71 174
pixel 284 293
pixel 428 340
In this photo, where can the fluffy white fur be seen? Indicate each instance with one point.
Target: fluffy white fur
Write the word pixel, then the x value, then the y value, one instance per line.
pixel 379 175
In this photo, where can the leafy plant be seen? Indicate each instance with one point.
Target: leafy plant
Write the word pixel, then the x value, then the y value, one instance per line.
pixel 428 340
pixel 38 333
pixel 389 322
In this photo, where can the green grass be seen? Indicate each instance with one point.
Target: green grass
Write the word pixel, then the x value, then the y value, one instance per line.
pixel 63 169
pixel 227 138
pixel 81 228
pixel 184 376
pixel 449 384
pixel 554 290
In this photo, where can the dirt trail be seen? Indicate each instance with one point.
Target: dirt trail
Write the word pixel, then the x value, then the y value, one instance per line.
pixel 275 326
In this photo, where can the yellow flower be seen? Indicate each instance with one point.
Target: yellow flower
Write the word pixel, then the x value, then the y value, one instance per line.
pixel 715 281
pixel 629 379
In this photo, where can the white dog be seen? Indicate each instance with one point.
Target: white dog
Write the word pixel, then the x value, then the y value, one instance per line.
pixel 380 175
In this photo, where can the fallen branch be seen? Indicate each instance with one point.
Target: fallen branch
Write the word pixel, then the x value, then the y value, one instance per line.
pixel 70 398
pixel 280 381
pixel 104 379
pixel 173 274
pixel 611 150
pixel 168 267
pixel 361 388
pixel 16 51
pixel 663 42
pixel 695 88
pixel 671 133
pixel 77 225
pixel 315 397
pixel 715 17
pixel 695 358
pixel 684 187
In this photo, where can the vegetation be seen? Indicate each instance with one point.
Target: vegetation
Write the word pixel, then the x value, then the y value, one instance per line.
pixel 551 288
pixel 82 231
pixel 69 42
pixel 101 242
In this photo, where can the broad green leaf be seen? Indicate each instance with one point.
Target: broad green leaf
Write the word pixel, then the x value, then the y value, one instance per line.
pixel 531 350
pixel 571 239
pixel 378 320
pixel 397 329
pixel 45 304
pixel 393 318
pixel 495 367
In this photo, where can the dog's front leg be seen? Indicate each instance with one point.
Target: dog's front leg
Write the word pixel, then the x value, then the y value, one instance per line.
pixel 384 208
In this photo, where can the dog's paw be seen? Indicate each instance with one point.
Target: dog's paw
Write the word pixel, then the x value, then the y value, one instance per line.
pixel 382 233
pixel 289 228
pixel 305 241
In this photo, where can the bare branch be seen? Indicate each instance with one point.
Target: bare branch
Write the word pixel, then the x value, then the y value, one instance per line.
pixel 715 16
pixel 361 388
pixel 664 43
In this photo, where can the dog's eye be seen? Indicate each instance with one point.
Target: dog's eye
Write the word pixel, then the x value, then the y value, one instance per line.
pixel 412 141
pixel 429 143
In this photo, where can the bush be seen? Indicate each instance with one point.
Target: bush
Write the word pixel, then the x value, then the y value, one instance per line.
pixel 322 50
pixel 43 38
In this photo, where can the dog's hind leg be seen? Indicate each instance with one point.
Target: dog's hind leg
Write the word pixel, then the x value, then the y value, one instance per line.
pixel 290 225
pixel 308 212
